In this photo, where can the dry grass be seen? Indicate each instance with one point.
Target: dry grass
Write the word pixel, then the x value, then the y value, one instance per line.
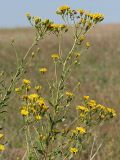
pixel 98 73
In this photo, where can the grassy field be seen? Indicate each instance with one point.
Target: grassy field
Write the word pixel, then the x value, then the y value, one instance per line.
pixel 98 73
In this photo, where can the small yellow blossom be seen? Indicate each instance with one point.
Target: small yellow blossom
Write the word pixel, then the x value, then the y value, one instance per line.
pixel 33 97
pixel 43 70
pixel 17 90
pixel 41 101
pixel 38 117
pixel 81 38
pixel 92 103
pixel 37 88
pixel 26 82
pixel 37 20
pixel 45 107
pixel 86 97
pixel 81 130
pixel 2 147
pixel 81 11
pixel 111 111
pixel 24 112
pixel 28 16
pixel 55 56
pixel 77 54
pixel 74 131
pixel 82 108
pixel 87 44
pixel 73 150
pixel 69 94
pixel 64 8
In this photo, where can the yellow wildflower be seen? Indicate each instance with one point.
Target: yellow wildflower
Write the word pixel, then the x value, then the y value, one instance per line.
pixel 64 8
pixel 74 131
pixel 2 147
pixel 81 38
pixel 41 101
pixel 24 112
pixel 43 70
pixel 97 17
pixel 37 88
pixel 37 20
pixel 45 107
pixel 17 90
pixel 92 103
pixel 73 150
pixel 87 44
pixel 69 94
pixel 81 130
pixel 86 97
pixel 55 56
pixel 26 82
pixel 77 54
pixel 28 16
pixel 81 11
pixel 111 111
pixel 33 97
pixel 38 117
pixel 82 108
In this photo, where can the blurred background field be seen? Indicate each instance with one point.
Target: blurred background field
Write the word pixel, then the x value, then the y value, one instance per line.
pixel 98 73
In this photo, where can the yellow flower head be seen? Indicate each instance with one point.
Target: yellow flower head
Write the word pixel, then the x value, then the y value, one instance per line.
pixel 97 17
pixel 74 131
pixel 81 38
pixel 33 97
pixel 64 8
pixel 28 16
pixel 57 27
pixel 45 108
pixel 43 70
pixel 73 150
pixel 24 112
pixel 77 54
pixel 81 130
pixel 2 147
pixel 41 101
pixel 81 11
pixel 82 108
pixel 86 97
pixel 92 103
pixel 55 56
pixel 88 44
pixel 26 82
pixel 69 94
pixel 38 117
pixel 111 111
pixel 37 20
pixel 17 90
pixel 37 88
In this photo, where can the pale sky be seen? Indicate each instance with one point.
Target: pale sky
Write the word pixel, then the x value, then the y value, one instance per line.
pixel 12 12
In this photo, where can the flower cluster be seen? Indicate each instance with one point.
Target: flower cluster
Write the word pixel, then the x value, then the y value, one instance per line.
pixel 93 113
pixel 33 105
pixel 44 26
pixel 81 17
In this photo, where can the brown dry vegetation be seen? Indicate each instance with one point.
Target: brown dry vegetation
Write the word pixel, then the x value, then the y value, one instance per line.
pixel 99 74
